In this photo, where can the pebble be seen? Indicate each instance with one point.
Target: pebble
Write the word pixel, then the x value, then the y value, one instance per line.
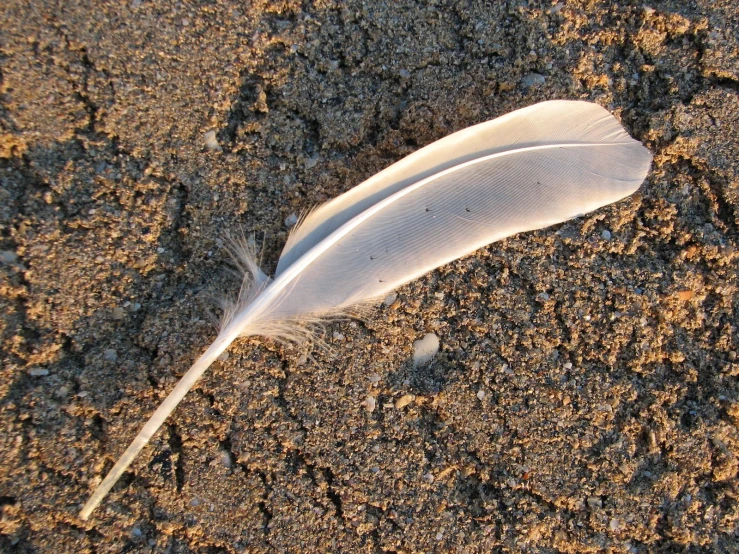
pixel 110 355
pixel 606 234
pixel 556 8
pixel 223 357
pixel 291 220
pixel 404 400
pixel 405 74
pixel 310 163
pixel 614 524
pixel 370 404
pixel 38 372
pixel 390 298
pixel 119 313
pixel 481 394
pixel 211 142
pixel 533 79
pixel 425 349
pixel 225 459
pixel 594 502
pixel 8 256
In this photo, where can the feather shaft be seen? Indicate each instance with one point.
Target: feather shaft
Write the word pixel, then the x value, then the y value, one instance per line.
pixel 157 419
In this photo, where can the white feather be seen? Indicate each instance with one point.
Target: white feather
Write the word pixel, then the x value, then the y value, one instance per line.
pixel 526 170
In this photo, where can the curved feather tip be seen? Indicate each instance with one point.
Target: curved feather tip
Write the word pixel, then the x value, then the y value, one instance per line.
pixel 527 170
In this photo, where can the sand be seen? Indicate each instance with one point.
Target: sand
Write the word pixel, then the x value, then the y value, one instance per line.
pixel 584 397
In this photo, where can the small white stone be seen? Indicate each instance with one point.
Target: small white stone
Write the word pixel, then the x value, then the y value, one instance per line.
pixel 370 404
pixel 38 372
pixel 211 142
pixel 556 8
pixel 291 220
pixel 8 256
pixel 533 79
pixel 568 365
pixel 481 394
pixel 225 459
pixel 223 357
pixel 310 163
pixel 390 298
pixel 606 234
pixel 425 349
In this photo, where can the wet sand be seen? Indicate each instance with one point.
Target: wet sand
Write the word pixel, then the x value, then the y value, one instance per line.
pixel 585 395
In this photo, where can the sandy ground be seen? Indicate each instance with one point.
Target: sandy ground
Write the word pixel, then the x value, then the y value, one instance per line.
pixel 585 398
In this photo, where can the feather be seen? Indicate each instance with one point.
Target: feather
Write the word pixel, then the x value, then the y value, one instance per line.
pixel 527 170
